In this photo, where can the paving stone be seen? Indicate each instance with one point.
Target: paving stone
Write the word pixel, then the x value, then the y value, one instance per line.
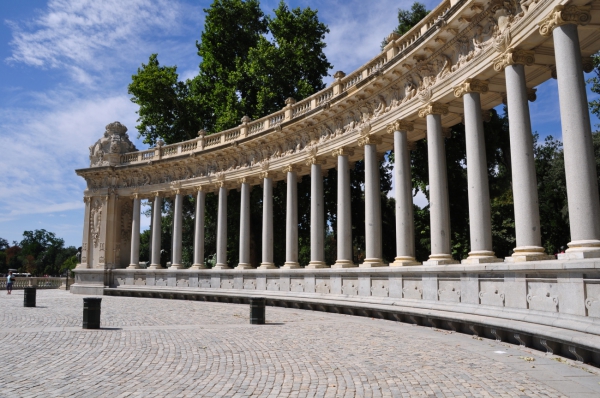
pixel 172 348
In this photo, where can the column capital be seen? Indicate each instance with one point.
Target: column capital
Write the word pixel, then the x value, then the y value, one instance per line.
pixel 87 199
pixel 471 86
pixel 433 108
pixel 265 174
pixel 400 125
pixel 514 56
pixel 243 180
pixel 290 168
pixel 343 151
pixel 158 194
pixel 368 140
pixel 200 188
pixel 563 15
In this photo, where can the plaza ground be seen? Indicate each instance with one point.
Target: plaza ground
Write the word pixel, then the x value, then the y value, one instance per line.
pixel 172 348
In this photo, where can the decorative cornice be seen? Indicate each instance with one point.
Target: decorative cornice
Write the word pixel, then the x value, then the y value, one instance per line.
pixel 514 56
pixel 433 108
pixel 342 152
pixel 400 125
pixel 563 15
pixel 471 86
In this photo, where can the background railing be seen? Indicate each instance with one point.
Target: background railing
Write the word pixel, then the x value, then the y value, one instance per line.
pixel 40 283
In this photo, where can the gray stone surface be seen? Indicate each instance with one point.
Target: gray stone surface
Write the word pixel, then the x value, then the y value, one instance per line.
pixel 172 348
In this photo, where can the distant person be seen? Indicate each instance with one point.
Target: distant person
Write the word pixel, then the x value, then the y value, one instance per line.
pixel 9 282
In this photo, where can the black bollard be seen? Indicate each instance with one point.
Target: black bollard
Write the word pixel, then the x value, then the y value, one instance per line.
pixel 29 297
pixel 257 311
pixel 91 312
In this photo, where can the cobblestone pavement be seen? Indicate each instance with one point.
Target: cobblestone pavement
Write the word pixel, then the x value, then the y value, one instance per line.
pixel 171 348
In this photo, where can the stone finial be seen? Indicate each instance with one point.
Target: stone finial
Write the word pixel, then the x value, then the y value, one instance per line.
pixel 433 108
pixel 514 56
pixel 246 119
pixel 160 143
pixel 290 101
pixel 471 86
pixel 202 133
pixel 392 37
pixel 108 149
pixel 563 15
pixel 339 75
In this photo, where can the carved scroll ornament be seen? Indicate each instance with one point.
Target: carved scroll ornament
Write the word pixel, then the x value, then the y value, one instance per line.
pixel 433 108
pixel 514 56
pixel 563 15
pixel 471 86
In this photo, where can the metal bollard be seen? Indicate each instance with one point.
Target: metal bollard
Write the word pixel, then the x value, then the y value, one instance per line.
pixel 29 297
pixel 257 311
pixel 91 312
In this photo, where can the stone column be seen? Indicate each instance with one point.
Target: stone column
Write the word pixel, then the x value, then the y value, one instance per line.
pixel 199 230
pixel 372 205
pixel 86 234
pixel 267 230
pixel 222 230
pixel 291 219
pixel 177 236
pixel 439 205
pixel 156 226
pixel 524 181
pixel 134 261
pixel 405 229
pixel 344 212
pixel 580 161
pixel 244 225
pixel 317 216
pixel 480 214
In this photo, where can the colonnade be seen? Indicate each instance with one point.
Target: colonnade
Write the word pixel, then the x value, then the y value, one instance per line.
pixel 580 167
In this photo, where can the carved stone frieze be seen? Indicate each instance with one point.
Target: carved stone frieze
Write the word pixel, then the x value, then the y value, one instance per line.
pixel 565 14
pixel 514 56
pixel 96 220
pixel 471 86
pixel 433 108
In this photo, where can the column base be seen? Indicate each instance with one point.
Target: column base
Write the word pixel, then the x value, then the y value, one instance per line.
pixel 316 264
pixel 404 261
pixel 482 257
pixel 81 266
pixel 155 266
pixel 244 266
pixel 267 266
pixel 343 264
pixel 290 265
pixel 133 266
pixel 176 266
pixel 440 259
pixel 372 263
pixel 221 266
pixel 198 266
pixel 528 253
pixel 581 249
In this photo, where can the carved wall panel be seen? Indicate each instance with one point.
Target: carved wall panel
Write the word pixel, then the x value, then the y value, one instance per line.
pixel 140 281
pixel 273 284
pixel 350 286
pixel 380 287
pixel 204 281
pixel 297 285
pixel 542 296
pixel 449 290
pixel 183 281
pixel 323 285
pixel 413 288
pixel 249 283
pixel 120 281
pixel 592 299
pixel 226 282
pixel 160 281
pixel 491 292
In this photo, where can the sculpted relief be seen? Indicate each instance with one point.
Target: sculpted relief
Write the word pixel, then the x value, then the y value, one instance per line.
pixel 114 141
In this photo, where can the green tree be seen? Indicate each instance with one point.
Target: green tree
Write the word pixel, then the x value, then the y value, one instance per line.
pixel 408 18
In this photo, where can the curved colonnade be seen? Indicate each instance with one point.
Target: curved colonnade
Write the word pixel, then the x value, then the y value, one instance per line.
pixel 463 59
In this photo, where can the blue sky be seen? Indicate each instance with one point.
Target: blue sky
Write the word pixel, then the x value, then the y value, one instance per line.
pixel 64 70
